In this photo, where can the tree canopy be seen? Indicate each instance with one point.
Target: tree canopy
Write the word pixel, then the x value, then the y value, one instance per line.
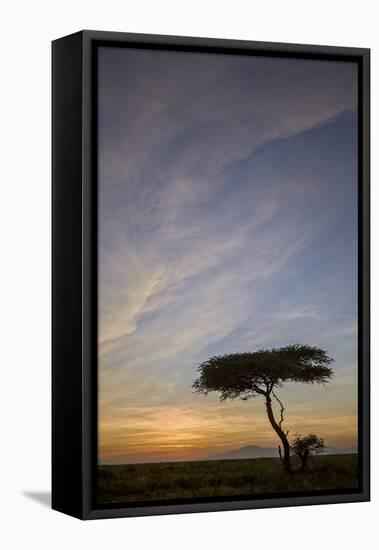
pixel 244 375
pixel 311 444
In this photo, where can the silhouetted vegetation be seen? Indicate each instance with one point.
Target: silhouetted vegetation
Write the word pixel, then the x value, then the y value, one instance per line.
pixel 247 375
pixel 182 480
pixel 305 447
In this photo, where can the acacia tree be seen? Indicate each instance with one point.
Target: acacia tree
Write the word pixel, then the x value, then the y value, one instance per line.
pixel 304 447
pixel 260 373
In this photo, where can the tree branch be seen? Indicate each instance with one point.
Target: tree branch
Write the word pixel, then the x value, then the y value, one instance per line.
pixel 281 411
pixel 257 389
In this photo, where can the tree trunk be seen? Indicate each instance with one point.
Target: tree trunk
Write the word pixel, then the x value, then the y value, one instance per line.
pixel 282 436
pixel 304 461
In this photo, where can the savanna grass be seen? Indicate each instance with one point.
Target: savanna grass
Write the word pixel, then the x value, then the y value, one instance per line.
pixel 222 478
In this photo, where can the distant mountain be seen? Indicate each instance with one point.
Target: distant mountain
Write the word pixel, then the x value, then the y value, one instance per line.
pixel 250 451
pixel 255 451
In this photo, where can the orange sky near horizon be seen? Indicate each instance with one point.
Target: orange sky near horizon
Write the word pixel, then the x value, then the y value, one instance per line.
pixel 205 426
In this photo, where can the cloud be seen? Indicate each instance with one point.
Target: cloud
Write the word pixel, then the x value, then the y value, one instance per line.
pixel 154 103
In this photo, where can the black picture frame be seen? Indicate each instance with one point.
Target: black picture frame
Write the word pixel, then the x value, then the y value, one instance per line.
pixel 74 270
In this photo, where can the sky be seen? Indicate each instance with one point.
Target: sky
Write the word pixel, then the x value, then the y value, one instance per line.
pixel 227 223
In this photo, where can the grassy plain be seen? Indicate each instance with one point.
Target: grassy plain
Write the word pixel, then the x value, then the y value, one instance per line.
pixel 222 478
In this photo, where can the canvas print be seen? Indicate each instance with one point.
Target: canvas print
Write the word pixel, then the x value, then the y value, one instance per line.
pixel 228 276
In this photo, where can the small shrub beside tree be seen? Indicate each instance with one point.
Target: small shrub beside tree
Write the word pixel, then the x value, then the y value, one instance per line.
pixel 305 446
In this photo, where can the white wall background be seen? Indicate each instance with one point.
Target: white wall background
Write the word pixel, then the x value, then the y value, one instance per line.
pixel 26 31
